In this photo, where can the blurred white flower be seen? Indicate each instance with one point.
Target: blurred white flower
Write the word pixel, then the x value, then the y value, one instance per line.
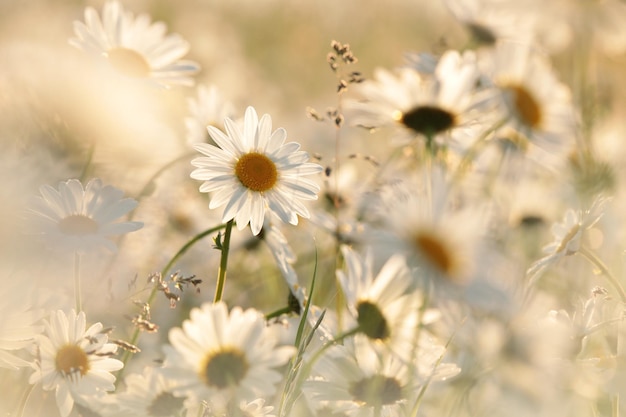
pixel 81 219
pixel 74 361
pixel 359 381
pixel 134 46
pixel 148 394
pixel 254 171
pixel 219 356
pixel 439 106
pixel 489 21
pixel 422 220
pixel 568 236
pixel 538 108
pixel 574 24
pixel 382 305
pixel 207 109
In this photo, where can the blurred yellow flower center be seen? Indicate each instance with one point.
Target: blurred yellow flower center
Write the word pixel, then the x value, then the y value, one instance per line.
pixel 165 405
pixel 129 62
pixel 225 368
pixel 435 252
pixel 70 359
pixel 256 172
pixel 427 120
pixel 78 225
pixel 376 391
pixel 371 321
pixel 525 105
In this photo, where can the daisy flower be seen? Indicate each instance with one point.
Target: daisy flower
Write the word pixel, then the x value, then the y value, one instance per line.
pixel 74 361
pixel 219 356
pixel 423 222
pixel 134 46
pixel 254 171
pixel 541 118
pixel 208 108
pixel 438 106
pixel 489 21
pixel 81 219
pixel 568 235
pixel 382 306
pixel 148 394
pixel 359 381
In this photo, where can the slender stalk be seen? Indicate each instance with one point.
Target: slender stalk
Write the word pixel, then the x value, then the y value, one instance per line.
pixel 597 262
pixel 164 272
pixel 221 277
pixel 148 187
pixel 87 166
pixel 77 289
pixel 24 400
pixel 277 313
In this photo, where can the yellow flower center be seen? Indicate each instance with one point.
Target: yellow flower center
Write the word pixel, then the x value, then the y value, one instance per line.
pixel 435 252
pixel 70 359
pixel 225 368
pixel 129 62
pixel 525 105
pixel 256 172
pixel 78 225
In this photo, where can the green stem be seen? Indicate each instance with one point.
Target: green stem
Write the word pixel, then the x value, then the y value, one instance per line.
pixel 164 272
pixel 77 290
pixel 339 338
pixel 221 277
pixel 90 152
pixel 597 262
pixel 279 312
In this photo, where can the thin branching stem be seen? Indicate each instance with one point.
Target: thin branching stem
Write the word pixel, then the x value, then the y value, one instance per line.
pixel 166 269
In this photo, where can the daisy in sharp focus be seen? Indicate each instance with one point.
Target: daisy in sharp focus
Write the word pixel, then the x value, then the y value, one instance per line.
pixel 81 219
pixel 219 356
pixel 134 46
pixel 253 171
pixel 75 361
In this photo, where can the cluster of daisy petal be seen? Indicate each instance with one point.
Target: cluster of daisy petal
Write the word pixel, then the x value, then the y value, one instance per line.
pixel 455 247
